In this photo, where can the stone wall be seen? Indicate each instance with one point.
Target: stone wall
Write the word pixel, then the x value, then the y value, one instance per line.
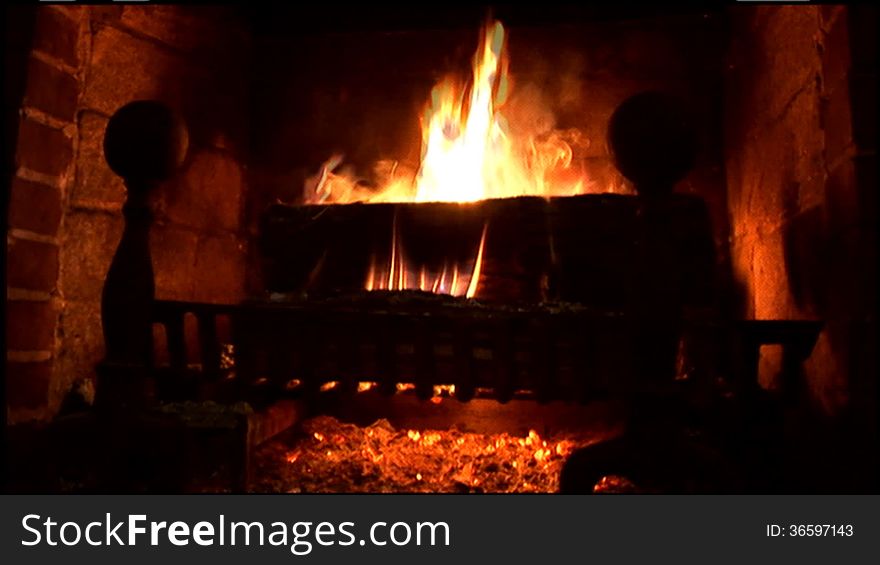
pixel 65 204
pixel 800 161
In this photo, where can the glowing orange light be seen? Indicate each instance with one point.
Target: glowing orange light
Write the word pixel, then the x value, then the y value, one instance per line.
pixel 470 151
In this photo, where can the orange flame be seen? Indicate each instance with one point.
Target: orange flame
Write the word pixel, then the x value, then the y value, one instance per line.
pixel 469 151
pixel 401 275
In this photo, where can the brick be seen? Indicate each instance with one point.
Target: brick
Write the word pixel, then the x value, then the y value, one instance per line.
pixel 43 149
pixel 830 13
pixel 220 269
pixel 94 179
pixel 35 207
pixel 787 47
pixel 836 60
pixel 90 240
pixel 83 343
pixel 825 374
pixel 742 251
pixel 51 90
pixel 30 326
pixel 27 384
pixel 106 14
pixel 842 197
pixel 753 204
pixel 196 267
pixel 773 172
pixel 192 29
pixel 805 249
pixel 208 194
pixel 770 280
pixel 837 121
pixel 31 265
pixel 126 68
pixel 174 262
pixel 57 35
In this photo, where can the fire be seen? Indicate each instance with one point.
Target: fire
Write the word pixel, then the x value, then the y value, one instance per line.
pixel 383 458
pixel 400 274
pixel 470 152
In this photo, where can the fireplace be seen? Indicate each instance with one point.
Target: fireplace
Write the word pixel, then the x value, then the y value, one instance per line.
pixel 440 253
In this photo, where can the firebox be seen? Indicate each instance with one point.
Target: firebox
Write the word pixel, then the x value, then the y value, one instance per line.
pixel 489 249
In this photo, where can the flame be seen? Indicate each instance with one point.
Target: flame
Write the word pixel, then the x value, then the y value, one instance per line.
pixel 401 274
pixel 470 150
pixel 478 263
pixel 440 390
pixel 364 386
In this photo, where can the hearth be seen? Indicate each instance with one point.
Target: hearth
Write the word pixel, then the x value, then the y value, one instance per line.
pixel 443 254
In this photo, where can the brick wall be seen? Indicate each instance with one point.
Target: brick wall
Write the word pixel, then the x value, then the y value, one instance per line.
pixel 44 172
pixel 799 161
pixel 65 204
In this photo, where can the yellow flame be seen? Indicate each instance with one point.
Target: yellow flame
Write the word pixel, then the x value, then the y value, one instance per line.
pixel 478 263
pixel 371 274
pixel 364 386
pixel 469 152
pixel 400 274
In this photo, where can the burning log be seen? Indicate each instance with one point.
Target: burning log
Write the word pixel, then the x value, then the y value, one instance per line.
pixel 435 247
pixel 600 250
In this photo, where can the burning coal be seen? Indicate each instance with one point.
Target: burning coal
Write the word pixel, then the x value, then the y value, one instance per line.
pixel 332 456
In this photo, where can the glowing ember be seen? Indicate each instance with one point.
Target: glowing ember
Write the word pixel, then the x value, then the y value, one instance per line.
pixel 441 390
pixel 469 149
pixel 381 458
pixel 613 484
pixel 364 386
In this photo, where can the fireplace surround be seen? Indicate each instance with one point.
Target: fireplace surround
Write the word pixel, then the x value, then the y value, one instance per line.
pixel 785 175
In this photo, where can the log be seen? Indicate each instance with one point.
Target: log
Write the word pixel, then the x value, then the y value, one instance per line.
pixel 340 240
pixel 606 250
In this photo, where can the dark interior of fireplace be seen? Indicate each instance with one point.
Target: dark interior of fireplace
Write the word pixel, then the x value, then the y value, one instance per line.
pixel 252 249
